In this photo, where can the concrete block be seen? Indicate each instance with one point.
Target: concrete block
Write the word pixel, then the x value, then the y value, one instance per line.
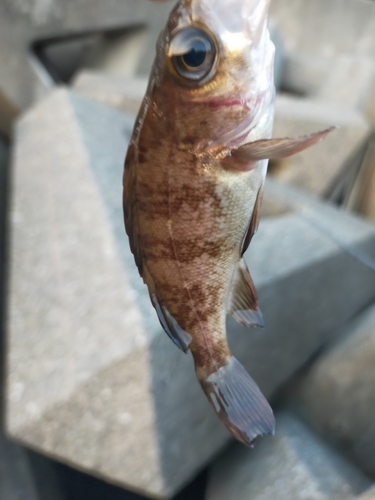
pixel 279 53
pixel 295 464
pixel 26 477
pixel 361 197
pixel 318 168
pixel 24 23
pixel 304 74
pixel 337 394
pixel 92 379
pixel 4 160
pixel 124 94
pixel 321 28
pixel 349 81
pixel 341 79
pixel 368 495
pixel 16 480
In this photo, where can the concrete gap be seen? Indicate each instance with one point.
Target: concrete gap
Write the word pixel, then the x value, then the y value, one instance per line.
pixel 58 59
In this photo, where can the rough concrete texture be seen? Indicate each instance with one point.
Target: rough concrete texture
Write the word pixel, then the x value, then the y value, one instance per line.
pixel 124 94
pixel 24 23
pixel 92 378
pixel 318 168
pixel 342 26
pixel 295 464
pixel 337 395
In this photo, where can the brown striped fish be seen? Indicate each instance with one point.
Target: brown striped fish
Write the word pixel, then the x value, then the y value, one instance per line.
pixel 193 182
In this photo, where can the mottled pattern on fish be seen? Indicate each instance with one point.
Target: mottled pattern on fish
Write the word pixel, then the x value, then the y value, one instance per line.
pixel 193 183
pixel 192 219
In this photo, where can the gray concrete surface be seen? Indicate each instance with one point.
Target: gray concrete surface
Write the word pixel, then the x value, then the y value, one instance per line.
pixel 295 464
pixel 124 94
pixel 24 23
pixel 337 395
pixel 92 378
pixel 319 28
pixel 16 480
pixel 318 168
pixel 368 495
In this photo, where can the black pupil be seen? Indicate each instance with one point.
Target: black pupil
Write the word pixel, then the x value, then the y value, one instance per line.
pixel 196 55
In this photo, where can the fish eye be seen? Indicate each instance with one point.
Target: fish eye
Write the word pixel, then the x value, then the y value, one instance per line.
pixel 192 54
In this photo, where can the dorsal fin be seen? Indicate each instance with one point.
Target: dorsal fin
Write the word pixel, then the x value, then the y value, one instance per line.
pixel 254 222
pixel 242 303
pixel 181 338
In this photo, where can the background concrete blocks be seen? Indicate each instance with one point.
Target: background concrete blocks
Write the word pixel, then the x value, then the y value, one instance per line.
pixel 361 198
pixel 318 168
pixel 16 481
pixel 92 379
pixel 22 24
pixel 349 82
pixel 368 495
pixel 124 94
pixel 294 464
pixel 325 29
pixel 337 395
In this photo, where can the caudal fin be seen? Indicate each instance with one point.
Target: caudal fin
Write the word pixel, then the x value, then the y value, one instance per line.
pixel 238 402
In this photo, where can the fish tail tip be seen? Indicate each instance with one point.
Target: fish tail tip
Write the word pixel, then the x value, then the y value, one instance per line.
pixel 238 402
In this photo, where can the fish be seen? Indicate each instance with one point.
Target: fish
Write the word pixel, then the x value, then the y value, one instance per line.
pixel 193 183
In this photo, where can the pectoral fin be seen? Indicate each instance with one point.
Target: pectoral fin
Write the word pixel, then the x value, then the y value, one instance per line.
pixel 245 157
pixel 181 338
pixel 243 301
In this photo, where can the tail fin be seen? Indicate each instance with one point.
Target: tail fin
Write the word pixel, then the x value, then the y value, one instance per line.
pixel 238 402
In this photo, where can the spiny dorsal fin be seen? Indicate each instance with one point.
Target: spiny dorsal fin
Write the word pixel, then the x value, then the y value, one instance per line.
pixel 242 302
pixel 254 222
pixel 181 338
pixel 245 157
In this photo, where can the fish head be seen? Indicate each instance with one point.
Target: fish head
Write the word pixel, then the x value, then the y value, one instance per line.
pixel 213 74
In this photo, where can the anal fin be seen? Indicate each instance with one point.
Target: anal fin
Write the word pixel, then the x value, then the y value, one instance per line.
pixel 242 303
pixel 181 338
